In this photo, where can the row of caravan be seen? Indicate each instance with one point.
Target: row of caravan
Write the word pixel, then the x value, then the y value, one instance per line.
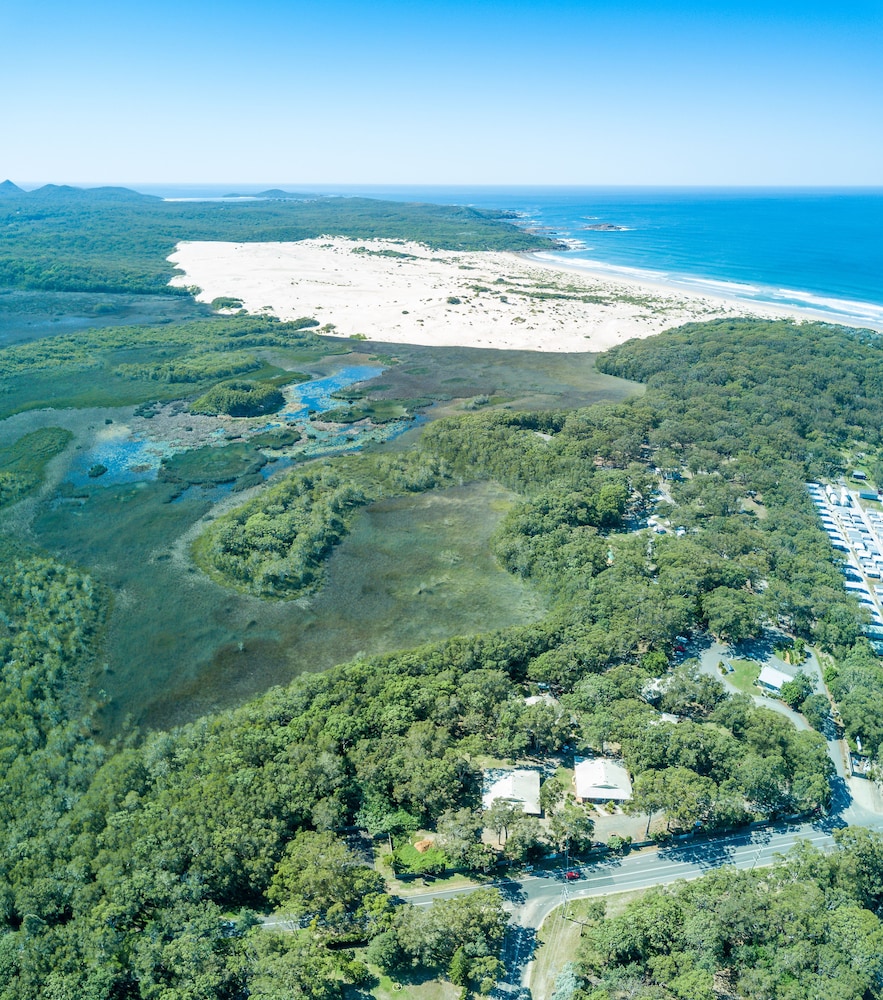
pixel 859 536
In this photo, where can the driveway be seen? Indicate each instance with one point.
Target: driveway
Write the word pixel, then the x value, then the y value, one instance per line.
pixel 858 805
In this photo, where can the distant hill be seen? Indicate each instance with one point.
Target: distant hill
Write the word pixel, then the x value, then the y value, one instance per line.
pixel 275 194
pixel 65 191
pixel 278 193
pixel 112 239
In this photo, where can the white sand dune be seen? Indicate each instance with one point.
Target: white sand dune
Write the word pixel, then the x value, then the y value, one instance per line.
pixel 406 293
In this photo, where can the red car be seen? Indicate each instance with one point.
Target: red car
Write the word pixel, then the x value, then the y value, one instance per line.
pixel 571 876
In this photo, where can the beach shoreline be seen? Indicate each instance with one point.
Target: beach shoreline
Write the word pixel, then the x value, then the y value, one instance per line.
pixel 842 312
pixel 395 291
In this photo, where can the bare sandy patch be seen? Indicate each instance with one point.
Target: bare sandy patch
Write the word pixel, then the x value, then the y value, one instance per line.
pixel 401 292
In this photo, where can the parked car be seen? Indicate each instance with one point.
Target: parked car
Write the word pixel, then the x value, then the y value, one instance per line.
pixel 572 875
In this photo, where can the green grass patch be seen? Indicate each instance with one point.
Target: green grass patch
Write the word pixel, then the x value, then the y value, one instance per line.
pixel 416 885
pixel 210 464
pixel 276 438
pixel 414 569
pixel 381 411
pixel 744 675
pixel 23 463
pixel 125 366
pixel 408 986
pixel 276 544
pixel 226 302
pixel 565 776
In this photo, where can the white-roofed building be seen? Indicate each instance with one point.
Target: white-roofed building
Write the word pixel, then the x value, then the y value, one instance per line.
pixel 520 785
pixel 772 679
pixel 600 779
pixel 542 699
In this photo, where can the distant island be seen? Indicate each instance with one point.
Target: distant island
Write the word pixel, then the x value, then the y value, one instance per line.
pixel 605 227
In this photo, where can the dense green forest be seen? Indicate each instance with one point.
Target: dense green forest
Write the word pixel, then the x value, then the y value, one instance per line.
pixel 116 240
pixel 807 927
pixel 132 869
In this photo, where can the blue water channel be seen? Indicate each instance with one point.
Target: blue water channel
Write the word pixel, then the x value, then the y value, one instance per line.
pixel 315 396
pixel 130 460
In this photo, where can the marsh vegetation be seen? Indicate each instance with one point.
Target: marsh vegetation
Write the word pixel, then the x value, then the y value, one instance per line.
pixel 370 625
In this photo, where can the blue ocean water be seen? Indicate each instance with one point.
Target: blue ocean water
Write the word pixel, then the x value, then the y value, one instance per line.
pixel 815 248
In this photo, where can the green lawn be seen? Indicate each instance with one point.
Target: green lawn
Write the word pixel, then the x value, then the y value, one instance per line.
pixel 406 988
pixel 744 675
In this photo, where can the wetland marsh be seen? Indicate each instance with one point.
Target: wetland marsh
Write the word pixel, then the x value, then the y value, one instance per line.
pixel 414 568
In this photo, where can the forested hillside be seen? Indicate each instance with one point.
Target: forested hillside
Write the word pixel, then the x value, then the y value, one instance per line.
pixel 115 240
pixel 128 871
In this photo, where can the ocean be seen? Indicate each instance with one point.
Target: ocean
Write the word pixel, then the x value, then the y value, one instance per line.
pixel 818 249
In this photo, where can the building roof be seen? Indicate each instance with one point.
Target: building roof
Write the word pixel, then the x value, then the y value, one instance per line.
pixel 544 699
pixel 654 689
pixel 772 678
pixel 601 778
pixel 519 785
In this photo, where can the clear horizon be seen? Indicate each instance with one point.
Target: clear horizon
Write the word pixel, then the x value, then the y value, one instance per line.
pixel 575 94
pixel 307 187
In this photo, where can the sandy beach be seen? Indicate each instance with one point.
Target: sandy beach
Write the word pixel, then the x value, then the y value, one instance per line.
pixel 400 292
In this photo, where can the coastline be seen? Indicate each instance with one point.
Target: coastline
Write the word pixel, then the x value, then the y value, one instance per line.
pixel 399 292
pixel 791 302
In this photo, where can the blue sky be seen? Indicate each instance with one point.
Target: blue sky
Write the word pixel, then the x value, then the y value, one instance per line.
pixel 458 93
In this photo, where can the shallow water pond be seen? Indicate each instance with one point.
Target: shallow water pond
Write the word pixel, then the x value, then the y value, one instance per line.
pixel 130 457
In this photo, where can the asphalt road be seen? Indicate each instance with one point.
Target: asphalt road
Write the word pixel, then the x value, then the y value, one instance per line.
pixel 533 897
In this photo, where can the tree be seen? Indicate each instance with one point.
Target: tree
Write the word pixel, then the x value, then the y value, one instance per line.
pixel 523 838
pixel 599 727
pixel 551 793
pixel 764 783
pixel 733 614
pixel 691 692
pixel 688 796
pixel 475 922
pixel 648 794
pixel 797 690
pixel 380 819
pixel 501 815
pixel 320 878
pixel 566 983
pixel 816 709
pixel 281 967
pixel 458 831
pixel 572 827
pixel 385 951
pixel 859 864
